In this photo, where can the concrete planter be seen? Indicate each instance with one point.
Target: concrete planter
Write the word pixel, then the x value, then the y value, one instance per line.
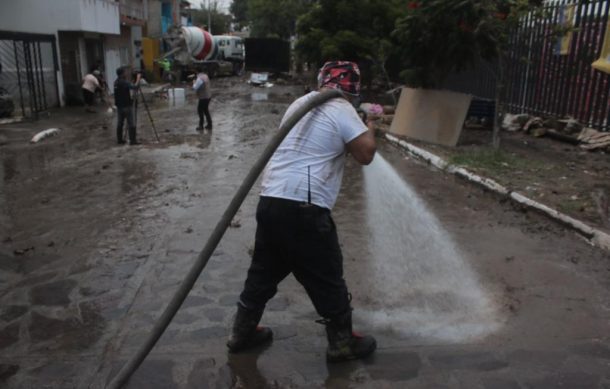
pixel 434 116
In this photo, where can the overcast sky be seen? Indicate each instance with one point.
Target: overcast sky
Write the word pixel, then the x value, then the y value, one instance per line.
pixel 222 4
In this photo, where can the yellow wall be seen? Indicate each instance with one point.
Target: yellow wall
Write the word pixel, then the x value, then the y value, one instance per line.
pixel 150 48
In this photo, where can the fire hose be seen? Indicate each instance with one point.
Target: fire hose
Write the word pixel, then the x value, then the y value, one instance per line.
pixel 204 256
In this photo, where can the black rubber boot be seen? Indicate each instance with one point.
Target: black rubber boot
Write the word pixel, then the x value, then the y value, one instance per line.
pixel 343 343
pixel 246 331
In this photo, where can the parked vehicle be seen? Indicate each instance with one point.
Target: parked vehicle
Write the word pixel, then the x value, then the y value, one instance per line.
pixel 222 54
pixel 229 47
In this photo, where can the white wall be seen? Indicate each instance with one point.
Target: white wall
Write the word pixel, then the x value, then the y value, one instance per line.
pixel 82 51
pixel 99 16
pixel 49 16
pixel 112 60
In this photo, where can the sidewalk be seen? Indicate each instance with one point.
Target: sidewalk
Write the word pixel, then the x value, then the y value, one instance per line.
pixel 563 181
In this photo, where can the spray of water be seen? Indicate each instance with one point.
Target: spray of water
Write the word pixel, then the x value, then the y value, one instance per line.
pixel 422 286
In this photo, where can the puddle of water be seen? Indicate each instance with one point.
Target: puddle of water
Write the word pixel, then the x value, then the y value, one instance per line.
pixel 273 96
pixel 259 96
pixel 176 103
pixel 420 285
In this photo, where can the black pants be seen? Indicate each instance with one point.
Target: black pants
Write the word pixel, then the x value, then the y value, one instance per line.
pixel 202 109
pixel 125 113
pixel 292 237
pixel 89 97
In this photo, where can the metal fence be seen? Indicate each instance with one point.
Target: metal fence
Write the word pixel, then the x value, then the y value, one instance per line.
pixel 551 75
pixel 28 75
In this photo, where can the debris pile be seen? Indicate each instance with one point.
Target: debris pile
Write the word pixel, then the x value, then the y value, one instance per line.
pixel 566 130
pixel 591 139
pixel 260 79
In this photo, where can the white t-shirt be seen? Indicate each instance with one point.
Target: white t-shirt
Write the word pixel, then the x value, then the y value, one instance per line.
pixel 90 83
pixel 317 141
pixel 201 85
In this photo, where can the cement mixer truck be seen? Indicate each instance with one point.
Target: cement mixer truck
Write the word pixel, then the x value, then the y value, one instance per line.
pixel 193 45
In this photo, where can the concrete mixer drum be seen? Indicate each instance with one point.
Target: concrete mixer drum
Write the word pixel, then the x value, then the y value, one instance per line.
pixel 190 44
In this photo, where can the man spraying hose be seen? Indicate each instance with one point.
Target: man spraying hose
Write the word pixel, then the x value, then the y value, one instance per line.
pixel 295 231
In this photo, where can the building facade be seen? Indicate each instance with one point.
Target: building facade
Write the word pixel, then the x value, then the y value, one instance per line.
pixel 162 15
pixel 47 46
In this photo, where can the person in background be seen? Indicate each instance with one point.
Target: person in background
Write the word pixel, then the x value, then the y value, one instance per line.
pixel 89 86
pixel 165 68
pixel 295 232
pixel 124 104
pixel 201 86
pixel 102 92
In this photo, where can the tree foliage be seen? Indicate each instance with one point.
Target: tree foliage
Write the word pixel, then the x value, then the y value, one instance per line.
pixel 239 10
pixel 437 37
pixel 220 22
pixel 353 30
pixel 275 18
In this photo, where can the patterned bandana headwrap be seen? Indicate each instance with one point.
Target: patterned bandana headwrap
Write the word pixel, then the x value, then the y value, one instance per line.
pixel 342 75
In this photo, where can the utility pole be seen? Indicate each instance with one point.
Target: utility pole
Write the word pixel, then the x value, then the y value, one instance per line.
pixel 209 18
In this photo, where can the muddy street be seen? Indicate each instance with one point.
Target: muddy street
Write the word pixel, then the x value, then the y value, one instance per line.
pixel 460 289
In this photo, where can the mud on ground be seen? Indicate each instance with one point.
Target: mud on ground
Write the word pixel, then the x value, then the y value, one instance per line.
pixel 562 176
pixel 459 289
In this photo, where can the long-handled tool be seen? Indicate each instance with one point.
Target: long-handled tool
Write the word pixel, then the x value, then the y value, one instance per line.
pixel 152 122
pixel 106 97
pixel 137 94
pixel 204 256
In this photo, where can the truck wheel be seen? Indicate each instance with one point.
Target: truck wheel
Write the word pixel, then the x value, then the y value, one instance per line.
pixel 212 70
pixel 238 68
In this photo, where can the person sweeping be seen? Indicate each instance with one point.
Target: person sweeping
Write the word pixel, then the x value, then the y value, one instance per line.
pixel 295 231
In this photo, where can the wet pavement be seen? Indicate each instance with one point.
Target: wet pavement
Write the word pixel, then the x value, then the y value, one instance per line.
pixel 461 290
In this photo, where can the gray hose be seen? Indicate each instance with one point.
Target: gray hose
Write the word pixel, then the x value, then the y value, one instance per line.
pixel 187 284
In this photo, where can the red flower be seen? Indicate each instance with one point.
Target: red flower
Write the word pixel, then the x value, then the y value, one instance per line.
pixel 413 4
pixel 464 26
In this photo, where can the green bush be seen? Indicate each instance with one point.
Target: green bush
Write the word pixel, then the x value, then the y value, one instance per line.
pixel 438 37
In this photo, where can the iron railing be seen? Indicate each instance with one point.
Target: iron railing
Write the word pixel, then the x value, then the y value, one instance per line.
pixel 551 75
pixel 29 73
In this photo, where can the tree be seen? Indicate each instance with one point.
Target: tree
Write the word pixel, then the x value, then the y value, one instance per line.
pixel 275 18
pixel 438 37
pixel 355 30
pixel 220 22
pixel 239 10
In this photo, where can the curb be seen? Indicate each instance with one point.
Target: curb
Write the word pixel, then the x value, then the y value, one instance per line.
pixel 594 236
